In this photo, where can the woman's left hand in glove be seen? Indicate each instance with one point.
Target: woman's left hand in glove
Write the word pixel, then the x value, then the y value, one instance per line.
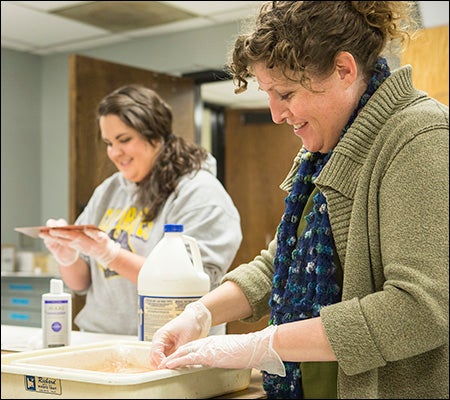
pixel 91 242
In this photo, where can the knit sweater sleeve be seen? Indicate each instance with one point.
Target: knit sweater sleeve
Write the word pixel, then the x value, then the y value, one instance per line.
pixel 400 309
pixel 255 280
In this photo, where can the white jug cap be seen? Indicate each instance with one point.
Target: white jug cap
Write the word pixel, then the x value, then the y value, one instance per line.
pixel 56 286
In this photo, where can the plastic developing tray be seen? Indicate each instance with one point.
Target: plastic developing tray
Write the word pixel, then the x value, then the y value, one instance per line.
pixel 110 370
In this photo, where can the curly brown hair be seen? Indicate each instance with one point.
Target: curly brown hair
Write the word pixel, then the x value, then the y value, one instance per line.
pixel 145 111
pixel 304 37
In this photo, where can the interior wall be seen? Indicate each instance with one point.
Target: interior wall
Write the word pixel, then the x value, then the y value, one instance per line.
pixel 20 145
pixel 35 168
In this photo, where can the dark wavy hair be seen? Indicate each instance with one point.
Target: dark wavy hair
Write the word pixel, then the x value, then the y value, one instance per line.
pixel 304 37
pixel 145 111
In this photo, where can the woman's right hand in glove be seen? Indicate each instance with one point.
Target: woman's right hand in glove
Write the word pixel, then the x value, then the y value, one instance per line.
pixel 193 323
pixel 63 253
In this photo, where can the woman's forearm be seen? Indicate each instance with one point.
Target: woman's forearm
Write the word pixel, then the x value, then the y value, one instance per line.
pixel 76 276
pixel 128 264
pixel 303 341
pixel 227 303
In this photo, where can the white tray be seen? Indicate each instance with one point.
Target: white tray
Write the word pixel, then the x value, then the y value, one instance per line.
pixel 112 369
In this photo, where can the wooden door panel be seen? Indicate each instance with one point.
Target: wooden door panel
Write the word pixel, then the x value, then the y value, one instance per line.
pixel 90 80
pixel 258 156
pixel 428 55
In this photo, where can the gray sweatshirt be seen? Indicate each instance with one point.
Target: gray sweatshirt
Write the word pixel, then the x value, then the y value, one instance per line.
pixel 199 202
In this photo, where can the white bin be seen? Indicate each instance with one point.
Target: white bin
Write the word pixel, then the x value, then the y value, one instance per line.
pixel 110 370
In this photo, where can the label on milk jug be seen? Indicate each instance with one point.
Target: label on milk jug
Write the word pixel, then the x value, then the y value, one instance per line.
pixel 156 311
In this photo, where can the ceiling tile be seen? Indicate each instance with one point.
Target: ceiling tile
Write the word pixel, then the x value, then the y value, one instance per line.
pixel 193 23
pixel 48 5
pixel 12 44
pixel 82 45
pixel 35 28
pixel 235 15
pixel 120 16
pixel 208 8
pixel 434 13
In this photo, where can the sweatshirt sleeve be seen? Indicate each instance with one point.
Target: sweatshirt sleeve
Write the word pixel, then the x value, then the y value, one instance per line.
pixel 209 215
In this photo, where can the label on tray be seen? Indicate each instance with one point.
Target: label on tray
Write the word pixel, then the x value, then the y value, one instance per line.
pixel 42 384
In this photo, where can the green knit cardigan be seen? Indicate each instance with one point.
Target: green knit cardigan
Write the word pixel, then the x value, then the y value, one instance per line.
pixel 386 186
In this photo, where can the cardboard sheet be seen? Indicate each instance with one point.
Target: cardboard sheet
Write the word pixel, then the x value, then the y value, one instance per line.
pixel 34 231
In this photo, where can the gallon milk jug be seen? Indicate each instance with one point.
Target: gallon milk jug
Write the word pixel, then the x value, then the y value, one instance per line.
pixel 169 280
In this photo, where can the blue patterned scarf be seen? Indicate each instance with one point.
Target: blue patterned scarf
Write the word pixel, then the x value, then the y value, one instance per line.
pixel 304 270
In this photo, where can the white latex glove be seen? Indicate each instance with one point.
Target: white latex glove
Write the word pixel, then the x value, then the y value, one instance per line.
pixel 193 323
pixel 251 350
pixel 63 253
pixel 92 242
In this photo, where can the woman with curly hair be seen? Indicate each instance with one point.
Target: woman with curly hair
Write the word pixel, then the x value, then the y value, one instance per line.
pixel 356 278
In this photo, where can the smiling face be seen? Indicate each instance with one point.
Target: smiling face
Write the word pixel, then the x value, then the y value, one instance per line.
pixel 318 116
pixel 130 152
